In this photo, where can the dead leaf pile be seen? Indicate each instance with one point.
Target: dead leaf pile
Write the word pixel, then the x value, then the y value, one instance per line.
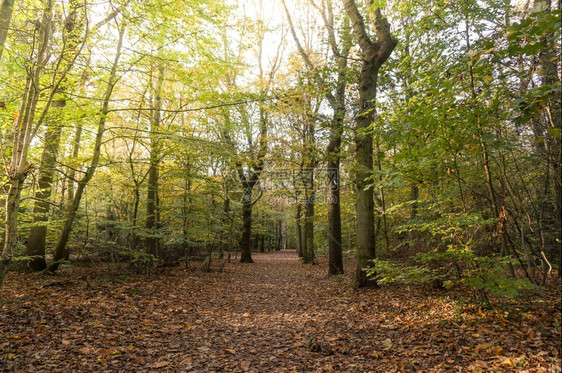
pixel 262 317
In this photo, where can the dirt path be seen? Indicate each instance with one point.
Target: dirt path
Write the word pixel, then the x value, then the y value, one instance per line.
pixel 276 315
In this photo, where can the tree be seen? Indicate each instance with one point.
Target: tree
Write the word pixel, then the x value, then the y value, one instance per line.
pixel 72 41
pixel 26 125
pixel 152 200
pixel 335 95
pixel 60 249
pixel 6 11
pixel 252 118
pixel 373 55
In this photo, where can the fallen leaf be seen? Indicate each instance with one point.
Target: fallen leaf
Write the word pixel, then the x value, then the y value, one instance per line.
pixel 85 350
pixel 504 360
pixel 483 347
pixel 103 351
pixel 245 365
pixel 160 364
pixel 387 344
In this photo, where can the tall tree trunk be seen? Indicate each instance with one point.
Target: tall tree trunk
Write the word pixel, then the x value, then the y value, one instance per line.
pixel 72 36
pixel 373 55
pixel 298 230
pixel 414 195
pixel 38 233
pixel 550 61
pixel 72 170
pixel 364 204
pixel 152 213
pixel 12 206
pixel 6 11
pixel 337 102
pixel 24 129
pixel 382 198
pixel 278 237
pixel 335 256
pixel 60 249
pixel 308 252
pixel 246 252
pixel 134 218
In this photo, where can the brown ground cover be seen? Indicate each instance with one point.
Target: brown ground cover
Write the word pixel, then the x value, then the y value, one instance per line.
pixel 277 315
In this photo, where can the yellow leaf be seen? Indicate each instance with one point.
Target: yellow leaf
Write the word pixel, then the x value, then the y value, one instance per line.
pixel 504 360
pixel 230 351
pixel 387 344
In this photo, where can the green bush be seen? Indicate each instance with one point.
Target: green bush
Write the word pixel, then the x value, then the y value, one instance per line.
pixel 484 275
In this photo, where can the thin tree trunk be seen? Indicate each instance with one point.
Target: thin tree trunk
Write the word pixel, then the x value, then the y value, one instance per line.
pixel 134 220
pixel 382 199
pixel 24 130
pixel 414 195
pixel 298 230
pixel 72 170
pixel 60 249
pixel 12 205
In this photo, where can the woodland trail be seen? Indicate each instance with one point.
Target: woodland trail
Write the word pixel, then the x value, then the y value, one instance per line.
pixel 277 315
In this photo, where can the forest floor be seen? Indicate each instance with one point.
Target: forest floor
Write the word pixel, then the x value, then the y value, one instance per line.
pixel 277 315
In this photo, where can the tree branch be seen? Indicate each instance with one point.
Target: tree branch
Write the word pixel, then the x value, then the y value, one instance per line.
pixel 361 35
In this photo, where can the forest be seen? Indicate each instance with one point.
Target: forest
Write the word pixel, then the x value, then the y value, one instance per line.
pixel 280 185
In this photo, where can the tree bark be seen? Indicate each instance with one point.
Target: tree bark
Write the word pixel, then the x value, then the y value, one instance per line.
pixel 550 61
pixel 38 233
pixel 308 252
pixel 6 11
pixel 72 170
pixel 373 55
pixel 245 240
pixel 298 229
pixel 12 206
pixel 335 256
pixel 153 174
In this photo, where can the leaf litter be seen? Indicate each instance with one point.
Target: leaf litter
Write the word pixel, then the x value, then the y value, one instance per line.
pixel 277 315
